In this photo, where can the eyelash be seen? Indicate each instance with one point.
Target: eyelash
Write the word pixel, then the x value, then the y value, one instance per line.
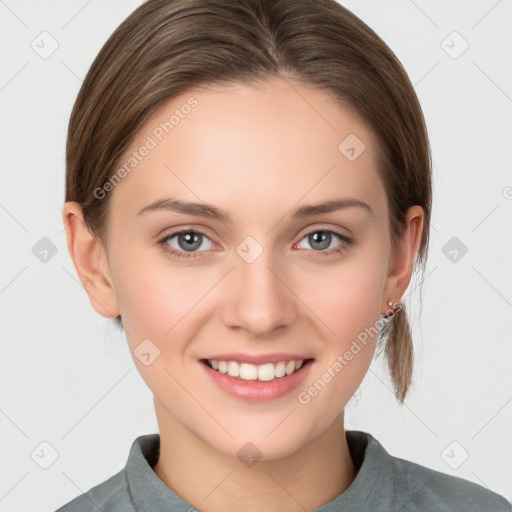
pixel 182 255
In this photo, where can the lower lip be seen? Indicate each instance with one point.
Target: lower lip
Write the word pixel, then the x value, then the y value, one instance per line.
pixel 255 390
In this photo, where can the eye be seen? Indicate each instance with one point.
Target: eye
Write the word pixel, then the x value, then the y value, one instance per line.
pixel 322 239
pixel 186 243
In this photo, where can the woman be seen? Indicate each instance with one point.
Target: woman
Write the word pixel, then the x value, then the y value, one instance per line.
pixel 248 192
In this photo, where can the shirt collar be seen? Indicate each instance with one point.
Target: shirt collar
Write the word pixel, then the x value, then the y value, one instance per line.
pixel 148 492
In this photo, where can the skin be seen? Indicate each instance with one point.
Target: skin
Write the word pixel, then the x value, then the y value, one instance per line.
pixel 258 153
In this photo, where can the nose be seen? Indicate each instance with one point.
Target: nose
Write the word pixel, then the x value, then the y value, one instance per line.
pixel 259 298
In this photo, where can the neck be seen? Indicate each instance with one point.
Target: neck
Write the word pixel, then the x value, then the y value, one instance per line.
pixel 304 480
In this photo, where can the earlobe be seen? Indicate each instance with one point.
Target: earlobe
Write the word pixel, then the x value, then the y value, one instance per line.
pixel 401 266
pixel 90 260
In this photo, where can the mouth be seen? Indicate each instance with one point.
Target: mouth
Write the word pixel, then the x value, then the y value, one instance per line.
pixel 267 372
pixel 257 383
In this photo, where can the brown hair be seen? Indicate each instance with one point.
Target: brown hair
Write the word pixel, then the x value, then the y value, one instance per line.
pixel 168 46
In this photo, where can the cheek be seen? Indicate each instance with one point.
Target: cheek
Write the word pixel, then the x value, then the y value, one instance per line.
pixel 153 295
pixel 348 306
pixel 347 298
pixel 347 302
pixel 157 302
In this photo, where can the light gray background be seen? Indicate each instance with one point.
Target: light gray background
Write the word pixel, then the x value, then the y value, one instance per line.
pixel 67 377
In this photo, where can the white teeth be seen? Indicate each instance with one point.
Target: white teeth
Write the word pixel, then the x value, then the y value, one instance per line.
pixel 290 367
pixel 265 372
pixel 233 369
pixel 248 371
pixel 281 369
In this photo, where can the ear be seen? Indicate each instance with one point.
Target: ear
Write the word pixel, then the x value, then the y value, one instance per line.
pixel 401 264
pixel 90 259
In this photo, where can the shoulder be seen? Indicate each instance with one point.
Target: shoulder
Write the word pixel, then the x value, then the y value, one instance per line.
pixel 128 489
pixel 424 489
pixel 386 482
pixel 112 495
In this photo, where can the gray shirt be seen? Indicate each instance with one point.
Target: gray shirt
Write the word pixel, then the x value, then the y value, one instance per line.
pixel 383 483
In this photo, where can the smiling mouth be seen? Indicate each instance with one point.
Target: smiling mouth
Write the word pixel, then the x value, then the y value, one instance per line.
pixel 265 372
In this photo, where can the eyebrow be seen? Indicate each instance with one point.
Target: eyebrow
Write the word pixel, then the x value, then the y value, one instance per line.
pixel 207 210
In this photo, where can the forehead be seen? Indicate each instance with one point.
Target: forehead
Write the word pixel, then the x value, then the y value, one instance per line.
pixel 277 142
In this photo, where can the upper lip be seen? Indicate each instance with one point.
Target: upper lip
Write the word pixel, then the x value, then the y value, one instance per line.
pixel 258 359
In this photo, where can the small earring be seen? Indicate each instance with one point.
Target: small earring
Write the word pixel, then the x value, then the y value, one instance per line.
pixel 396 307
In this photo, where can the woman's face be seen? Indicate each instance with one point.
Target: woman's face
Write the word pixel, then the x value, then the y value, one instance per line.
pixel 261 280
